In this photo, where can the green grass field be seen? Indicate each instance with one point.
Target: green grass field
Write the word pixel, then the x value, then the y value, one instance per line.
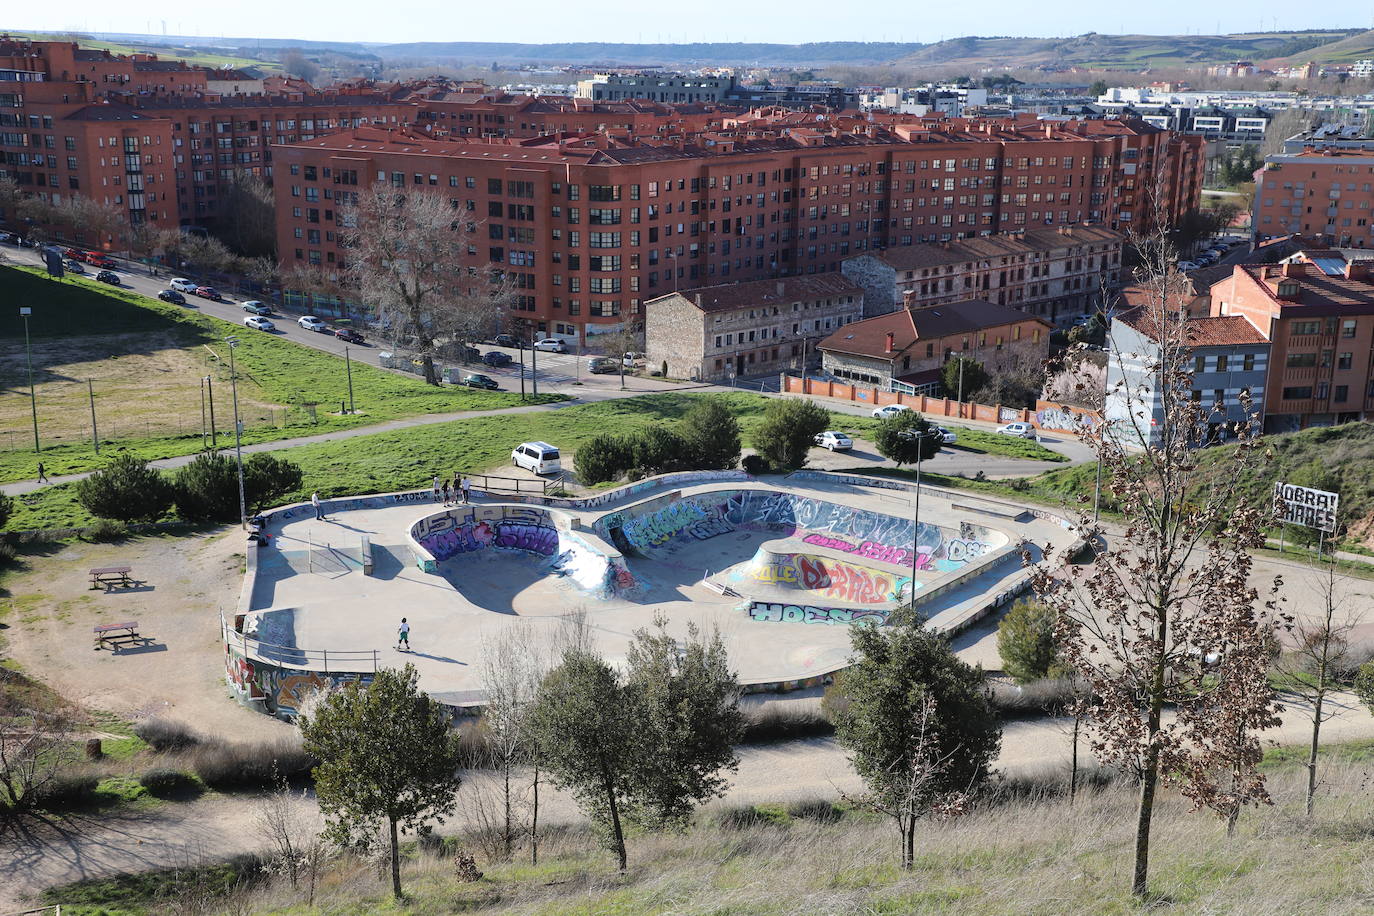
pixel 152 355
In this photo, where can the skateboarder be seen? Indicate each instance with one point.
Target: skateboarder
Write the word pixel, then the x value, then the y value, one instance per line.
pixel 403 637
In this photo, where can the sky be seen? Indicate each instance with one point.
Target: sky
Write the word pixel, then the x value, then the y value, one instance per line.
pixel 790 22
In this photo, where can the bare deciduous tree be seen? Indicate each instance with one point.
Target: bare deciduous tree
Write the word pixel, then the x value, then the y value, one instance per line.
pixel 407 257
pixel 1164 615
pixel 35 747
pixel 511 672
pixel 299 850
pixel 1319 659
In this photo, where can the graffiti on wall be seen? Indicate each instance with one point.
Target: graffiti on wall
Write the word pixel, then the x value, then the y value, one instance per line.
pixel 828 578
pixel 771 612
pixel 466 530
pixel 869 550
pixel 1065 418
pixel 282 691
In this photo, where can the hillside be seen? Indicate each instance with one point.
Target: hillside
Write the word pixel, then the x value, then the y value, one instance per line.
pixel 1357 46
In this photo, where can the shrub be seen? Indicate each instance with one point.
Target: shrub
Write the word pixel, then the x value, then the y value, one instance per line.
pixel 66 790
pixel 1048 696
pixel 756 464
pixel 8 552
pixel 6 509
pixel 106 530
pixel 126 489
pixel 788 431
pixel 256 765
pixel 166 783
pixel 905 437
pixel 602 458
pixel 657 450
pixel 207 489
pixel 164 735
pixel 712 435
pixel 266 479
pixel 1025 640
pixel 783 722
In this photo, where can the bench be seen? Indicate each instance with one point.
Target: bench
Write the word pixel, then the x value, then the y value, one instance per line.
pixel 365 554
pixel 111 575
pixel 115 634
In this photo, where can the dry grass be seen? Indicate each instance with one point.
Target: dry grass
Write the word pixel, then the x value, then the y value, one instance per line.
pixel 1034 855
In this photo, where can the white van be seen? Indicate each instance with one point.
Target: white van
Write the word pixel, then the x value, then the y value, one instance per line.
pixel 539 457
pixel 182 285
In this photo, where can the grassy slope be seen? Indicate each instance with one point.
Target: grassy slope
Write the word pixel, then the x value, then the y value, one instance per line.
pixel 288 373
pixel 409 458
pixel 1029 854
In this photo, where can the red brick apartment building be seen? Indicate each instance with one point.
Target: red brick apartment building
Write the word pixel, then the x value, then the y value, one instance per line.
pixel 593 225
pixel 147 135
pixel 1318 314
pixel 1322 194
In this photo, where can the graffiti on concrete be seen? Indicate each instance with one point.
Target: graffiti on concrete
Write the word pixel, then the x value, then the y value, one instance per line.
pixel 282 691
pixel 464 530
pixel 870 550
pixel 771 612
pixel 827 578
pixel 1065 418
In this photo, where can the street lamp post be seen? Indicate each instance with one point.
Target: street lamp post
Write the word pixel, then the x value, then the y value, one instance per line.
pixel 25 312
pixel 348 368
pixel 916 509
pixel 95 432
pixel 210 397
pixel 238 431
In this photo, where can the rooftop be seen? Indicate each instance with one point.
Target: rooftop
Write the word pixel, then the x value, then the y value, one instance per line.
pixel 1210 331
pixel 908 326
pixel 754 293
pixel 981 248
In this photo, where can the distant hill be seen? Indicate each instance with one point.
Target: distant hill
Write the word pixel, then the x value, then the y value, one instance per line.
pixel 1356 46
pixel 677 55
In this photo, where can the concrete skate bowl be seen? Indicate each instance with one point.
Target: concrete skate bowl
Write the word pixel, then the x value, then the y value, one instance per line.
pixel 797 558
pixel 473 548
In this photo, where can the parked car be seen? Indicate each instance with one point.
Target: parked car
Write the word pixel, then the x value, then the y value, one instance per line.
pixel 171 295
pixel 253 306
pixel 1186 266
pixel 76 254
pixel 506 340
pixel 259 322
pixel 602 365
pixel 309 322
pixel 478 380
pixel 496 359
pixel 551 345
pixel 182 285
pixel 891 410
pixel 835 441
pixel 470 354
pixel 348 335
pixel 1023 430
pixel 96 259
pixel 108 276
pixel 9 238
pixel 73 267
pixel 209 292
pixel 539 457
pixel 632 359
pixel 946 436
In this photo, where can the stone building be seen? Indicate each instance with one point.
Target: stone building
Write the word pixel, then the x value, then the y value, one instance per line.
pixel 905 350
pixel 738 329
pixel 1056 273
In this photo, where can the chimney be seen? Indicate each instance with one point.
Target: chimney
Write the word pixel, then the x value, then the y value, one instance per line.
pixel 1357 270
pixel 1295 269
pixel 782 289
pixel 698 298
pixel 891 341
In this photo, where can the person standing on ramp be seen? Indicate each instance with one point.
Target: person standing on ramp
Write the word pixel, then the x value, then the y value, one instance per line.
pixel 403 637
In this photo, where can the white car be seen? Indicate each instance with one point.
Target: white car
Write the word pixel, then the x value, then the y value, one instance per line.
pixel 835 441
pixel 182 285
pixel 1023 430
pixel 946 437
pixel 539 457
pixel 311 323
pixel 260 323
pixel 551 345
pixel 891 410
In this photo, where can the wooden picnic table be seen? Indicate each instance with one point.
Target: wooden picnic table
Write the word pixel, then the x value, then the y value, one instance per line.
pixel 116 634
pixel 110 576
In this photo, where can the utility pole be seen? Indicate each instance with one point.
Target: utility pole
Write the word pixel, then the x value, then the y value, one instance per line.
pixel 534 365
pixel 203 431
pixel 961 384
pixel 916 510
pixel 238 431
pixel 214 433
pixel 25 312
pixel 95 433
pixel 348 367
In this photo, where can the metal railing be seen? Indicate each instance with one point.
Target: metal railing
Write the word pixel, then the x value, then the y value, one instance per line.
pixel 344 661
pixel 515 486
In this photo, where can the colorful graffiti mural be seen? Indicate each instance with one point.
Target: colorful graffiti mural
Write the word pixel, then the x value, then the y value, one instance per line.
pixel 465 530
pixel 281 690
pixel 1066 419
pixel 770 612
pixel 827 578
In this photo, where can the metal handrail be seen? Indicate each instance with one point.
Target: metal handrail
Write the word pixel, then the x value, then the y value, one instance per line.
pixel 295 655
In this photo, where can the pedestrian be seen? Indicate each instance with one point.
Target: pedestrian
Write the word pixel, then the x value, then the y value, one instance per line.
pixel 436 488
pixel 315 501
pixel 42 474
pixel 466 487
pixel 403 637
pixel 446 492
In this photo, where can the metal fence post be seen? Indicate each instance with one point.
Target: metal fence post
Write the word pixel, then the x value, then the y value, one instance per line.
pixel 326 661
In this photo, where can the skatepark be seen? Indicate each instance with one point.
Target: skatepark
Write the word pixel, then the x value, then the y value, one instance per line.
pixel 782 567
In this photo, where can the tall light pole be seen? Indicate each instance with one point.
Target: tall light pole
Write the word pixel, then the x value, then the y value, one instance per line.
pixel 214 433
pixel 916 508
pixel 95 433
pixel 348 368
pixel 238 431
pixel 25 312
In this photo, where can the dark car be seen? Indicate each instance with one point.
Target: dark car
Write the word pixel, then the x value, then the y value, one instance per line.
pixel 108 276
pixel 496 358
pixel 349 335
pixel 477 380
pixel 471 354
pixel 209 292
pixel 602 365
pixel 171 295
pixel 505 340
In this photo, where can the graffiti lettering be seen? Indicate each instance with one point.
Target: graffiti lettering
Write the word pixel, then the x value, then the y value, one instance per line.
pixel 898 556
pixel 805 613
pixel 960 551
pixel 1066 419
pixel 537 539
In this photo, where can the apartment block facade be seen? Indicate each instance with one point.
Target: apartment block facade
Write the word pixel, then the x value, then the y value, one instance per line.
pixel 1055 273
pixel 595 225
pixel 1317 312
pixel 1325 194
pixel 714 333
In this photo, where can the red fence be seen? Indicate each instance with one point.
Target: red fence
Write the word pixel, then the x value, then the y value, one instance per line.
pixel 1046 415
